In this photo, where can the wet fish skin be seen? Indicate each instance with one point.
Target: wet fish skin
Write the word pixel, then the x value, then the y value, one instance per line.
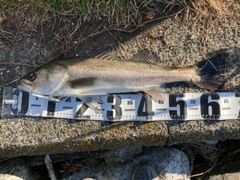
pixel 96 76
pixel 93 76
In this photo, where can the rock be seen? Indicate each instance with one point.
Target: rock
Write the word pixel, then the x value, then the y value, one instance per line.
pixel 17 169
pixel 169 163
pixel 177 41
pixel 227 176
pixel 38 136
pixel 9 177
pixel 207 147
pixel 39 160
pixel 120 155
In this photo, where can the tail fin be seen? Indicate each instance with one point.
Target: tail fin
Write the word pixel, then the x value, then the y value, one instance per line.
pixel 210 71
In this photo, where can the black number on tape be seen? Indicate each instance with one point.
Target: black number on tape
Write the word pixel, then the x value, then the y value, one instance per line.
pixel 209 108
pixel 160 102
pixel 173 102
pixel 146 101
pixel 116 107
pixel 237 94
pixel 25 102
pixel 129 102
pixel 78 99
pixel 81 110
pixel 51 108
pixel 192 101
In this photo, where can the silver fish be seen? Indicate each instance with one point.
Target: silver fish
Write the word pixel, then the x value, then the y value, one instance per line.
pixel 95 76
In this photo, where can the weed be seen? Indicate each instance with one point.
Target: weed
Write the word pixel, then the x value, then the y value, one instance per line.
pixel 118 10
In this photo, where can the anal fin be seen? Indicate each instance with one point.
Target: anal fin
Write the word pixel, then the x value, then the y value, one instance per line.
pixel 156 93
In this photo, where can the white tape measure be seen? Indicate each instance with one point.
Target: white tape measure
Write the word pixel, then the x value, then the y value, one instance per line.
pixel 126 107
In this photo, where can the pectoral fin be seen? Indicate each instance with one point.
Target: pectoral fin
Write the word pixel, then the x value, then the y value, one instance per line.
pixel 54 99
pixel 57 85
pixel 81 82
pixel 156 93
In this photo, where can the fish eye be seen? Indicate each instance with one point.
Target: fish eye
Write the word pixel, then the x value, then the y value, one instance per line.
pixel 32 76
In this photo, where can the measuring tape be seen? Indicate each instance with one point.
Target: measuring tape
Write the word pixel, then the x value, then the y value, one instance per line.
pixel 126 107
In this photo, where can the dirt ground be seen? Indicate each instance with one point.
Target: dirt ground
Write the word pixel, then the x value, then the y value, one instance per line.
pixel 179 37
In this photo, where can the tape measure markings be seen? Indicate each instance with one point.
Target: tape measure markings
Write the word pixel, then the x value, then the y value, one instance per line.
pixel 127 107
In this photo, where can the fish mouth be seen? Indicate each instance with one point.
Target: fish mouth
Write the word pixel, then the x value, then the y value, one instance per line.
pixel 25 86
pixel 29 88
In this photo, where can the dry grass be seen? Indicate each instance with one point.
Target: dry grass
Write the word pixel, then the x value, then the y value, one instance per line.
pixel 218 8
pixel 49 19
pixel 120 11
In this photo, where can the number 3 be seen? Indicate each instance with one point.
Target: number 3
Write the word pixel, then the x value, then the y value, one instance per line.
pixel 115 106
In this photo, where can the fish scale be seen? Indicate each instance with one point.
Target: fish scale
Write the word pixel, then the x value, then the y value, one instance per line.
pixel 96 76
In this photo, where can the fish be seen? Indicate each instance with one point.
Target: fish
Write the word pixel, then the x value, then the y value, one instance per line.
pixel 100 76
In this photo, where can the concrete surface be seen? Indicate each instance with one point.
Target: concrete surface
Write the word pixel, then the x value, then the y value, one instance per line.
pixel 28 136
pixel 179 41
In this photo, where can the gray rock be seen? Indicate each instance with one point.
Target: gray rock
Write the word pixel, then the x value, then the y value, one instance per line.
pixel 38 136
pixel 169 163
pixel 176 41
pixel 17 169
pixel 9 177
pixel 227 176
pixel 207 147
pixel 120 155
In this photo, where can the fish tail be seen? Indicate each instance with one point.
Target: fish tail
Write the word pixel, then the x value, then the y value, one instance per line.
pixel 210 71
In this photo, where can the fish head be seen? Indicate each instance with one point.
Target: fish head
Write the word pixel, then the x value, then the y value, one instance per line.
pixel 43 81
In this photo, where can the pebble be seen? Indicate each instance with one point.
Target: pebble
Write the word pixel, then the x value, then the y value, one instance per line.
pixel 169 163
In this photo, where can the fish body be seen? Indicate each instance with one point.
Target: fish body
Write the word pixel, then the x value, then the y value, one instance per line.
pixel 94 76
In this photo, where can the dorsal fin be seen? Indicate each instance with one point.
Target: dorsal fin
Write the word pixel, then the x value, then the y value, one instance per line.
pixel 100 54
pixel 145 56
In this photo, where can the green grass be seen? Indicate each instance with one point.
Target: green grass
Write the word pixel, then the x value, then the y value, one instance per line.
pixel 87 9
pixel 107 8
pixel 112 9
pixel 89 5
